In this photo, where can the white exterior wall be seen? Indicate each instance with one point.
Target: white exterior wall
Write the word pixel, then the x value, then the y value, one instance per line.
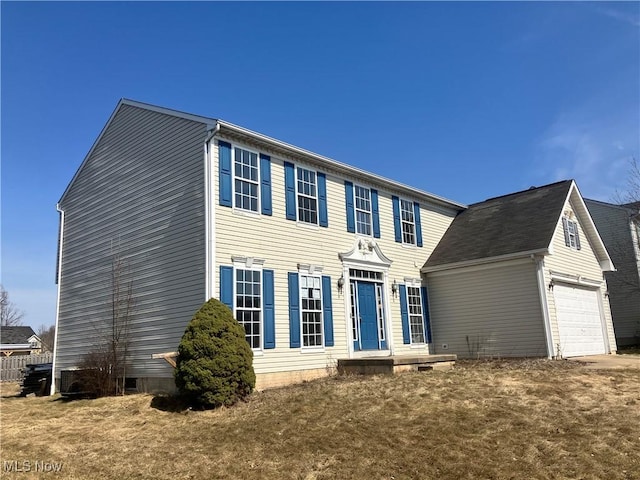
pixel 565 261
pixel 283 244
pixel 491 310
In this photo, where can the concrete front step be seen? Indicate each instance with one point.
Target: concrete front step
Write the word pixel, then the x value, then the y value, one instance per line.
pixel 394 364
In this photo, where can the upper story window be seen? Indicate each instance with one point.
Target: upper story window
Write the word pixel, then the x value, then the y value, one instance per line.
pixel 571 235
pixel 246 179
pixel 363 210
pixel 307 196
pixel 408 222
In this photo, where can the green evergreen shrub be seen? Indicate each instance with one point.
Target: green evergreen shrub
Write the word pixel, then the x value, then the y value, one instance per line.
pixel 215 363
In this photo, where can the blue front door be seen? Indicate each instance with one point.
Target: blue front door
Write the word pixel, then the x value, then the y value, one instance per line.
pixel 368 316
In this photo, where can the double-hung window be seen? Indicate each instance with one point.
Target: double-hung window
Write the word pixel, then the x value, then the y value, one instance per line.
pixel 311 310
pixel 408 222
pixel 363 210
pixel 249 304
pixel 246 179
pixel 307 192
pixel 416 319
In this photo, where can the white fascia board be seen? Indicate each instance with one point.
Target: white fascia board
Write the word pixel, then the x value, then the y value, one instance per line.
pixel 589 227
pixel 339 166
pixel 486 260
pixel 15 346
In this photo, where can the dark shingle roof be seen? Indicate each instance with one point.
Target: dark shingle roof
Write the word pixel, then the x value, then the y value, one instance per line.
pixel 520 222
pixel 15 335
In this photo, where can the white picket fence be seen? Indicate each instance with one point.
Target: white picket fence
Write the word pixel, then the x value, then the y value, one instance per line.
pixel 11 368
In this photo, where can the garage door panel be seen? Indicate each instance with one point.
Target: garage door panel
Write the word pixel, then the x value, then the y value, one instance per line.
pixel 579 321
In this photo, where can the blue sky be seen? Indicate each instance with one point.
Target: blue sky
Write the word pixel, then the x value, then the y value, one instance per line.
pixel 464 100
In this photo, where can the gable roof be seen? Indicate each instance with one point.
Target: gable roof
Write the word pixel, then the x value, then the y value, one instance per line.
pixel 518 224
pixel 212 124
pixel 15 335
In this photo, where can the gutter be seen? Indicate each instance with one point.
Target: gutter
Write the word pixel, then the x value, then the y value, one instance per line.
pixel 482 261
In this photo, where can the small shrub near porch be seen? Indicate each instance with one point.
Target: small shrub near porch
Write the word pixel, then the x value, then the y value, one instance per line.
pixel 215 363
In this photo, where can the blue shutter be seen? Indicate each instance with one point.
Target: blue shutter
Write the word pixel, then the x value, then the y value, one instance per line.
pixel 265 184
pixel 416 218
pixel 376 213
pixel 268 311
pixel 226 286
pixel 404 313
pixel 396 218
pixel 290 190
pixel 351 215
pixel 327 311
pixel 322 200
pixel 425 314
pixel 224 158
pixel 294 311
pixel 567 242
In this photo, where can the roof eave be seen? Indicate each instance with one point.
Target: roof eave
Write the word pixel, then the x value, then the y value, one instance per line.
pixel 339 166
pixel 485 260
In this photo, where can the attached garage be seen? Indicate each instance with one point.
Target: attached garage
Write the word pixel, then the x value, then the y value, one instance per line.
pixel 522 275
pixel 579 321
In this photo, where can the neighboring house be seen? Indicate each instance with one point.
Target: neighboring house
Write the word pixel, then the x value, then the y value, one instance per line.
pixel 619 226
pixel 19 341
pixel 318 260
pixel 521 275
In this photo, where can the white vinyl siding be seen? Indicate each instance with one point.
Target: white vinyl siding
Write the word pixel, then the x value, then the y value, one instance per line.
pixel 286 244
pixel 486 312
pixel 572 262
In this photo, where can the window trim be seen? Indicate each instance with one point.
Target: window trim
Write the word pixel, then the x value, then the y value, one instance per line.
pixel 356 210
pixel 317 197
pixel 417 286
pixel 315 274
pixel 254 265
pixel 258 182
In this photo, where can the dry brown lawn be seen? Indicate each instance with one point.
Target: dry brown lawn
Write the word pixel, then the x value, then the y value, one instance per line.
pixel 489 420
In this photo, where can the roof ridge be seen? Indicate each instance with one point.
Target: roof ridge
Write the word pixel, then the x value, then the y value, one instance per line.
pixel 520 192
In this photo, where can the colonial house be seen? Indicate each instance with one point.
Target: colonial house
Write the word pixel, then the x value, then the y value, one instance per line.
pixel 318 260
pixel 619 226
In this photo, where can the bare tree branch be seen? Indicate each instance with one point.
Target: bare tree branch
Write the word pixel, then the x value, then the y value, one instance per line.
pixel 10 315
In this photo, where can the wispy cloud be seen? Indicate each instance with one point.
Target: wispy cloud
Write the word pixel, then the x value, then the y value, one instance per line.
pixel 625 17
pixel 594 150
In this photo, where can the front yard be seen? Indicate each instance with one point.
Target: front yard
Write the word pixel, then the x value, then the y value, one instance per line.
pixel 497 420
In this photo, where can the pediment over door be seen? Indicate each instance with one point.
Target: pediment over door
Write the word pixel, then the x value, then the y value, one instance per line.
pixel 366 251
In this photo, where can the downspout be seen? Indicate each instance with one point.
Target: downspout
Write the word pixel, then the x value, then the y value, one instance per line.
pixel 59 282
pixel 544 304
pixel 210 214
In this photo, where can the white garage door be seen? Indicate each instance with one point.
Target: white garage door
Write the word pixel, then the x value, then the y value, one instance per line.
pixel 579 321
